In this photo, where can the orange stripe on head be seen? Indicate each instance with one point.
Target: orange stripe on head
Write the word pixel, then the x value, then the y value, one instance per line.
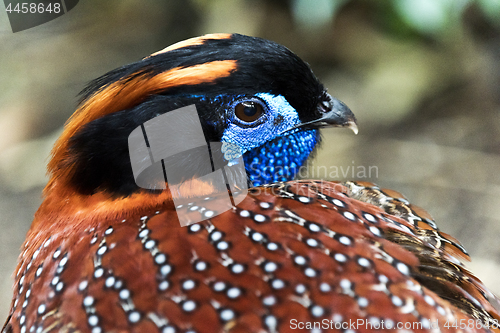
pixel 129 92
pixel 192 41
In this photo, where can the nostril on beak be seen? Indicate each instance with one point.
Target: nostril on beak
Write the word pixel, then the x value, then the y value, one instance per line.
pixel 326 106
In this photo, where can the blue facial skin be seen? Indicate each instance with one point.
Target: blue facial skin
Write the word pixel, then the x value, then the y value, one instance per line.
pixel 271 151
pixel 280 159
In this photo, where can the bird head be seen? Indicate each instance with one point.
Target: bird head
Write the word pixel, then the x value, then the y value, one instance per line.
pixel 248 91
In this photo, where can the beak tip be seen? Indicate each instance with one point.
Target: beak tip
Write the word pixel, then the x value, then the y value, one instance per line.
pixel 353 127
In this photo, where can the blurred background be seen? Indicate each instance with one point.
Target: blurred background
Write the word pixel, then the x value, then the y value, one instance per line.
pixel 422 76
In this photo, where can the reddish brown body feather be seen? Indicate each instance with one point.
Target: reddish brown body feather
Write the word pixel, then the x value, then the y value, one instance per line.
pixel 303 251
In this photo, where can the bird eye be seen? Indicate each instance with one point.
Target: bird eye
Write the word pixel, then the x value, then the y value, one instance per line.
pixel 248 111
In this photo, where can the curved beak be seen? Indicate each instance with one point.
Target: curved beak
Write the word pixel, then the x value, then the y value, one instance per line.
pixel 337 115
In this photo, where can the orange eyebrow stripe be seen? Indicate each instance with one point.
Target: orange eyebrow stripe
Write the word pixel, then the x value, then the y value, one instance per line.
pixel 192 41
pixel 126 93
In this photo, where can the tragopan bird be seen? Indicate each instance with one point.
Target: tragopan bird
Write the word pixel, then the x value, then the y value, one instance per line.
pixel 106 255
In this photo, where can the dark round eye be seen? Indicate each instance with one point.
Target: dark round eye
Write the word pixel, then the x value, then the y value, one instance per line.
pixel 248 111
